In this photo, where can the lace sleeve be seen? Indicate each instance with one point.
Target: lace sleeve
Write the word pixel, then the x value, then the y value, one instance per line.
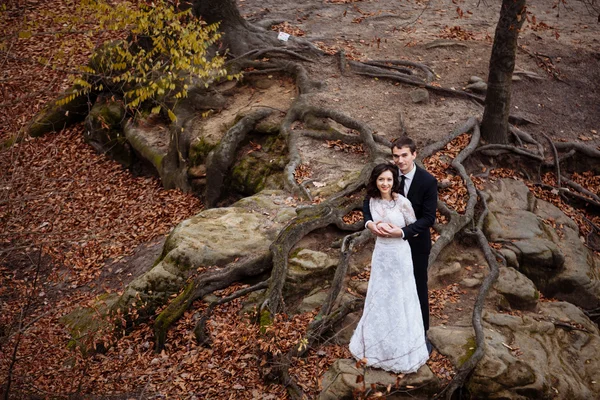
pixel 407 211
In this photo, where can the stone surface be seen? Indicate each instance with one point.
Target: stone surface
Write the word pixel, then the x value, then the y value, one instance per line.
pixel 340 381
pixel 479 87
pixel 312 302
pixel 213 237
pixel 419 96
pixel 149 143
pixel 519 291
pixel 449 269
pixel 542 243
pixel 104 131
pixel 528 356
pixel 475 79
pixel 308 269
pixel 470 282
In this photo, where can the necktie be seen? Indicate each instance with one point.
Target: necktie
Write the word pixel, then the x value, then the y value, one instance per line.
pixel 402 179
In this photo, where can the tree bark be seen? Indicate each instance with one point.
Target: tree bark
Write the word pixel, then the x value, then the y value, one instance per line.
pixel 223 11
pixel 239 36
pixel 494 125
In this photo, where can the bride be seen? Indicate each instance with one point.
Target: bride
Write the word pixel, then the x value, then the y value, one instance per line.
pixel 390 334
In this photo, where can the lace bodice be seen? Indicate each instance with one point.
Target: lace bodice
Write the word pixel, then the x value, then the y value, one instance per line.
pixel 398 211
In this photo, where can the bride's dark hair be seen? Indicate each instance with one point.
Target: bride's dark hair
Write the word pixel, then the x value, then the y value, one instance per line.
pixel 372 190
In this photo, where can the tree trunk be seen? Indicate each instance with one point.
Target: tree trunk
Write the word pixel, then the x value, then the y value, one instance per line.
pixel 223 11
pixel 239 36
pixel 494 126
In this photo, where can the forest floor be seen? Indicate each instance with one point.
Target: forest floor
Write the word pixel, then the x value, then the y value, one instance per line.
pixel 99 226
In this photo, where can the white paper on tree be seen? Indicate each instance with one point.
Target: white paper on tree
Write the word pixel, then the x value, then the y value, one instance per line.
pixel 283 36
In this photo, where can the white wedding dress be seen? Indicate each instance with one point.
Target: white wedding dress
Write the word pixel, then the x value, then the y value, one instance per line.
pixel 390 333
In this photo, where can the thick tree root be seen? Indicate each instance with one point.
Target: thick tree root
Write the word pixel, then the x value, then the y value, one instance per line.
pixel 200 331
pixel 469 365
pixel 223 156
pixel 205 284
pixel 457 221
pixel 278 369
pixel 308 220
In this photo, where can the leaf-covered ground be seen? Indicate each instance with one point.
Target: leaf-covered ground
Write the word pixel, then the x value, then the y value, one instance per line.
pixel 85 213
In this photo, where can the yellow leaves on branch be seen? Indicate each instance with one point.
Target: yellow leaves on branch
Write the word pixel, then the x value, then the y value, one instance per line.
pixel 165 53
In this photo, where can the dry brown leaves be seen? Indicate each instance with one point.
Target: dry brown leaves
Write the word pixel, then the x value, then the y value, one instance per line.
pixel 27 79
pixel 456 32
pixel 351 52
pixel 302 173
pixel 229 369
pixel 455 192
pixel 352 217
pixel 80 206
pixel 287 28
pixel 536 25
pixel 438 298
pixel 339 145
pixel 441 366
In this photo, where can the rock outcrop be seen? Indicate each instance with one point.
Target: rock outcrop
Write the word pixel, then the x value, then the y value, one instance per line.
pixel 540 241
pixel 548 354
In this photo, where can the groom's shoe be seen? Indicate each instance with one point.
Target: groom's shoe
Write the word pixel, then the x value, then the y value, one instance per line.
pixel 429 346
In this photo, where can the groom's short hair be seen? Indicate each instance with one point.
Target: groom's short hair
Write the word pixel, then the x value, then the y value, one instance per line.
pixel 404 141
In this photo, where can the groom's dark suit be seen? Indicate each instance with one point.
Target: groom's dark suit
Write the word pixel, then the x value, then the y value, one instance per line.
pixel 423 197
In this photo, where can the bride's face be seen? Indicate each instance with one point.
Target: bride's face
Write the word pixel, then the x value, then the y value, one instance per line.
pixel 385 182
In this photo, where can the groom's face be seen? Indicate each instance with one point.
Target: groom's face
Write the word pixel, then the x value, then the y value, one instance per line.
pixel 404 159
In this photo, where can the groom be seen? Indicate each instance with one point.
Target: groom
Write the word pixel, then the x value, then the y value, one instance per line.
pixel 420 187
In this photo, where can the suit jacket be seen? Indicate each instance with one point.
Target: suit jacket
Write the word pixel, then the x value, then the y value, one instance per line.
pixel 423 197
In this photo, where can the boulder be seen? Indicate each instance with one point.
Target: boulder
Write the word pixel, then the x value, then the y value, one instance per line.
pixel 519 291
pixel 308 269
pixel 343 379
pixel 260 169
pixel 542 243
pixel 104 130
pixel 547 354
pixel 150 141
pixel 479 87
pixel 313 301
pixel 213 237
pixel 56 116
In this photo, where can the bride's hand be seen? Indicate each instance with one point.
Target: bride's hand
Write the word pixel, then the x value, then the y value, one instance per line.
pixel 391 230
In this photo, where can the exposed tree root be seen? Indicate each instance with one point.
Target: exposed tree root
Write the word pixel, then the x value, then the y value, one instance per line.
pixel 457 221
pixel 205 284
pixel 223 156
pixel 416 82
pixel 429 74
pixel 581 189
pixel 308 220
pixel 496 149
pixel 403 70
pixel 469 365
pixel 200 332
pixel 278 369
pixel 578 147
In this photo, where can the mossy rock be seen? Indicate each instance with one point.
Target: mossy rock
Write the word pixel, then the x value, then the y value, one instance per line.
pixel 104 130
pixel 54 117
pixel 199 149
pixel 259 170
